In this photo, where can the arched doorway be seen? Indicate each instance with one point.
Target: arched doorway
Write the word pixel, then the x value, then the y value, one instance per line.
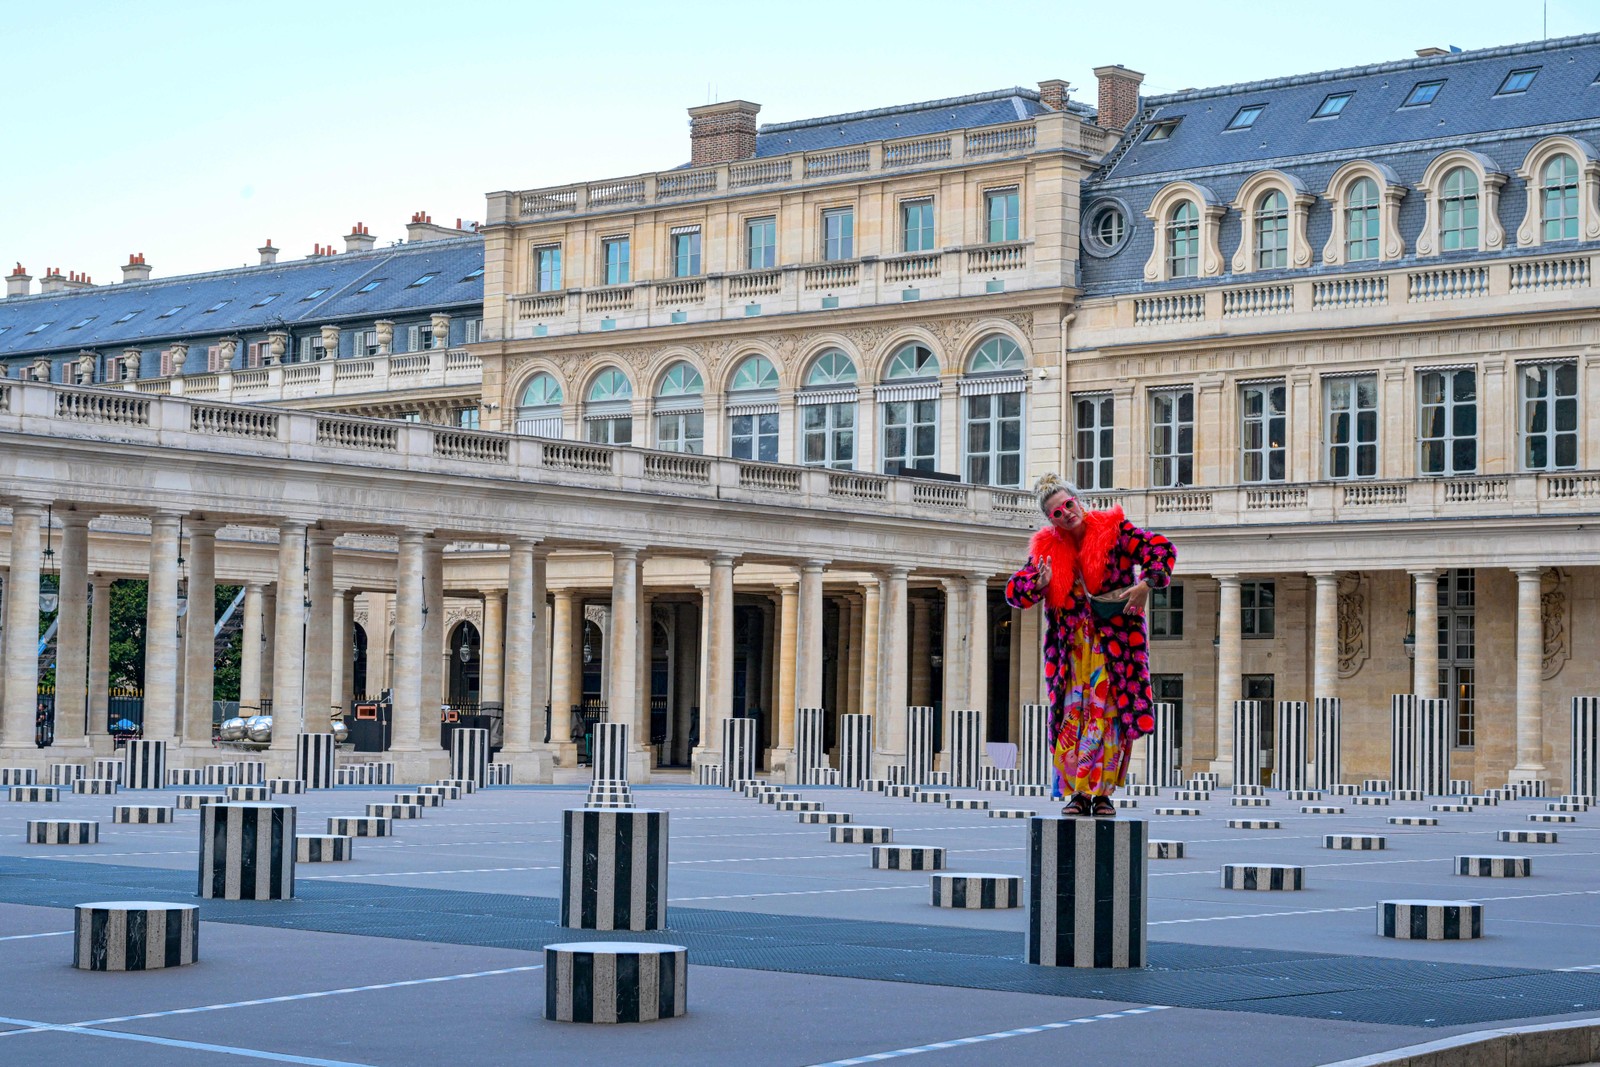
pixel 358 663
pixel 466 660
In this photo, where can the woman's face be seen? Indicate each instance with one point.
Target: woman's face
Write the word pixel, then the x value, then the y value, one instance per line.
pixel 1064 511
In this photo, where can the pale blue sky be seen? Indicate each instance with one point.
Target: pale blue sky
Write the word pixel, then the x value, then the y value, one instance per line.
pixel 191 130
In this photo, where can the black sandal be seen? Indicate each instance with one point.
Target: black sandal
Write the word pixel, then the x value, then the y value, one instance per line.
pixel 1078 805
pixel 1103 807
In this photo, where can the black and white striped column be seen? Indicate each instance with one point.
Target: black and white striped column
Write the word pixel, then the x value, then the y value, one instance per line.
pixel 135 935
pixel 62 832
pixel 247 851
pixel 108 768
pixel 1289 745
pixel 1033 748
pixel 966 748
pixel 146 764
pixel 1263 877
pixel 313 760
pixel 217 774
pixel 615 982
pixel 469 755
pixel 1087 882
pixel 1585 778
pixel 249 772
pixel 988 892
pixel 738 750
pixel 1247 741
pixel 67 773
pixel 1403 741
pixel 322 848
pixel 855 750
pixel 1430 920
pixel 708 774
pixel 808 751
pixel 1494 866
pixel 614 869
pixel 18 776
pixel 1161 747
pixel 611 741
pixel 919 745
pixel 35 794
pixel 1433 746
pixel 1325 762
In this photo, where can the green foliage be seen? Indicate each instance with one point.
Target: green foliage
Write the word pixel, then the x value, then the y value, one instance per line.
pixel 128 598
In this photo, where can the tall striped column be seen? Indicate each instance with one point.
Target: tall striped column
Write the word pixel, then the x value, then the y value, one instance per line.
pixel 469 755
pixel 1161 747
pixel 1433 746
pixel 1289 745
pixel 1325 763
pixel 808 750
pixel 611 751
pixel 966 748
pixel 855 750
pixel 1585 777
pixel 1087 882
pixel 738 750
pixel 1246 742
pixel 247 851
pixel 313 760
pixel 1033 750
pixel 919 745
pixel 146 765
pixel 614 869
pixel 1403 741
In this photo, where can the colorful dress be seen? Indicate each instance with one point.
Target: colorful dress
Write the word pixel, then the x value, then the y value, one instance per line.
pixel 1096 667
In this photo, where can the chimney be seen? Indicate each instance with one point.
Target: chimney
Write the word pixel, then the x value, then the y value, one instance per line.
pixel 76 280
pixel 269 255
pixel 723 133
pixel 358 239
pixel 18 282
pixel 136 269
pixel 1119 96
pixel 1431 51
pixel 53 281
pixel 1053 94
pixel 318 251
pixel 422 228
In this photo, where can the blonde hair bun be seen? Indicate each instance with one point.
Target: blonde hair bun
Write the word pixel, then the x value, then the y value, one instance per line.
pixel 1049 485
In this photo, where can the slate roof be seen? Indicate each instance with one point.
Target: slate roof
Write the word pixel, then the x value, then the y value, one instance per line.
pixel 1565 91
pixel 906 120
pixel 241 292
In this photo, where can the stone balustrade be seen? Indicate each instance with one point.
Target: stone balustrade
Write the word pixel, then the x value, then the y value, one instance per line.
pixel 433 368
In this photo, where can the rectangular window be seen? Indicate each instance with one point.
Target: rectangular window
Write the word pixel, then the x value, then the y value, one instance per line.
pixel 1002 214
pixel 754 437
pixel 686 252
pixel 829 435
pixel 1447 422
pixel 1172 439
pixel 547 265
pixel 618 258
pixel 1093 437
pixel 1458 639
pixel 1246 116
pixel 761 243
pixel 839 233
pixel 1263 432
pixel 1168 689
pixel 617 431
pixel 911 433
pixel 467 418
pixel 1166 612
pixel 1549 404
pixel 1332 105
pixel 366 342
pixel 1423 93
pixel 474 331
pixel 682 431
pixel 311 349
pixel 1517 81
pixel 994 439
pixel 916 226
pixel 1350 415
pixel 1257 610
pixel 258 355
pixel 1162 131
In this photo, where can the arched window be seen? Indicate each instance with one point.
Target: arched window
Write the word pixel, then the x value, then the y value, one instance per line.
pixel 1183 241
pixel 681 380
pixel 1272 231
pixel 992 413
pixel 910 410
pixel 998 353
pixel 679 410
pixel 1458 211
pixel 1362 221
pixel 609 413
pixel 828 412
pixel 912 361
pixel 539 411
pixel 753 411
pixel 1559 202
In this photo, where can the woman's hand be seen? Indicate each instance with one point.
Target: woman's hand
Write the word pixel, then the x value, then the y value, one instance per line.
pixel 1043 571
pixel 1138 596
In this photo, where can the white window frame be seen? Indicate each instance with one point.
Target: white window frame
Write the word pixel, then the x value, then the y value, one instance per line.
pixel 618 271
pixel 547 279
pixel 828 422
pixel 1094 440
pixel 928 236
pixel 986 410
pixel 1351 410
pixel 1258 454
pixel 681 431
pixel 1447 439
pixel 1553 433
pixel 1010 220
pixel 753 435
pixel 770 249
pixel 1166 464
pixel 841 245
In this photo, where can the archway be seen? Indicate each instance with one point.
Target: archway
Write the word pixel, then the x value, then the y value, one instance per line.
pixel 466 648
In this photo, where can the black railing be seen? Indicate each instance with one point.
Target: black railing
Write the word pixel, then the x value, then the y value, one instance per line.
pixel 584 716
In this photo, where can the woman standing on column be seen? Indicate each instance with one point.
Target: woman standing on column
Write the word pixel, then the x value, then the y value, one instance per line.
pixel 1096 658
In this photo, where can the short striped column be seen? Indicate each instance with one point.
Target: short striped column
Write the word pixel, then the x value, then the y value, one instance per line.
pixel 1164 850
pixel 248 793
pixel 1529 837
pixel 615 982
pixel 738 750
pixel 359 826
pixel 67 773
pixel 288 786
pixel 1356 842
pixel 1087 882
pixel 611 742
pixel 1161 747
pixel 861 835
pixel 322 848
pixel 1433 746
pixel 421 800
pixel 35 794
pixel 250 772
pixel 826 818
pixel 195 801
pixel 1263 877
pixel 966 748
pixel 499 774
pixel 108 768
pixel 1403 740
pixel 62 832
pixel 1289 745
pixel 1460 787
pixel 449 791
pixel 1585 776
pixel 247 851
pixel 708 774
pixel 185 777
pixel 1494 866
pixel 394 811
pixel 353 774
pixel 146 764
pixel 1246 741
pixel 1430 920
pixel 907 858
pixel 216 774
pixel 19 776
pixel 1326 726
pixel 614 869
pixel 134 935
pixel 383 773
pixel 855 750
pixel 809 755
pixel 313 760
pixel 145 814
pixel 919 745
pixel 94 786
pixel 469 755
pixel 1033 748
pixel 987 892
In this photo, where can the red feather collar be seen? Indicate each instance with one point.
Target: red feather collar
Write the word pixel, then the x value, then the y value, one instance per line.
pixel 1090 549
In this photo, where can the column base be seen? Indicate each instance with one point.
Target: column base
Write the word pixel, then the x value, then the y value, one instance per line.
pixel 1223 769
pixel 1533 772
pixel 639 766
pixel 563 753
pixel 529 768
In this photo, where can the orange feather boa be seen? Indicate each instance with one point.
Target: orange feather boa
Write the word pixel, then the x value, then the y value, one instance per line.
pixel 1090 550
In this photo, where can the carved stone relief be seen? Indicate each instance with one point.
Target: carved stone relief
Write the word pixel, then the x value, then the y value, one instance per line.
pixel 1556 615
pixel 1354 601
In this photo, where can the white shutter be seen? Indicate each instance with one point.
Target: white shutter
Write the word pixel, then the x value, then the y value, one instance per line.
pixel 413 338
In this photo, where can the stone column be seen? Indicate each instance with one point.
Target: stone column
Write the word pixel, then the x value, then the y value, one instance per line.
pixel 344 636
pixel 1425 673
pixel 623 659
pixel 269 637
pixel 920 685
pixel 406 687
pixel 433 635
pixel 519 647
pixel 851 659
pixel 1230 669
pixel 320 647
pixel 892 657
pixel 1530 672
pixel 72 630
pixel 99 655
pixel 288 645
pixel 199 634
pixel 250 652
pixel 871 665
pixel 1325 643
pixel 781 734
pixel 977 665
pixel 492 666
pixel 22 623
pixel 717 697
pixel 539 624
pixel 161 631
pixel 953 660
pixel 563 679
pixel 808 656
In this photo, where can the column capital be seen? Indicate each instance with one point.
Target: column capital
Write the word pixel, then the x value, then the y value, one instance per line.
pixel 1423 573
pixel 74 519
pixel 317 535
pixel 1528 574
pixel 563 594
pixel 725 559
pixel 814 564
pixel 294 525
pixel 1324 576
pixel 897 573
pixel 410 536
pixel 626 551
pixel 164 519
pixel 974 577
pixel 493 594
pixel 1226 579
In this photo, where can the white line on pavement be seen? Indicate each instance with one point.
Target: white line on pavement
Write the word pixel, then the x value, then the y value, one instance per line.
pixel 25 937
pixel 1021 1031
pixel 801 893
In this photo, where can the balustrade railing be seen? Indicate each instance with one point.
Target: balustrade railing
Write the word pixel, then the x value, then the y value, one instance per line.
pixel 911 268
pixel 1543 275
pixel 1169 307
pixel 463 444
pixel 758 283
pixel 1360 291
pixel 993 258
pixel 677 467
pixel 1447 283
pixel 831 276
pixel 96 406
pixel 234 422
pixel 367 434
pixel 1257 300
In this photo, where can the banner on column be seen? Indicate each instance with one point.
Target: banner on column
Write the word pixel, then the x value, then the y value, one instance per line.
pixel 808 750
pixel 738 751
pixel 1161 747
pixel 611 751
pixel 855 750
pixel 919 745
pixel 1033 753
pixel 1403 741
pixel 1246 742
pixel 966 747
pixel 1585 778
pixel 1325 763
pixel 1433 746
pixel 1289 745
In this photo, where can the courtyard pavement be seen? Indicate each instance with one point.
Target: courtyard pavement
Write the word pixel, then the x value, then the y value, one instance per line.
pixel 424 949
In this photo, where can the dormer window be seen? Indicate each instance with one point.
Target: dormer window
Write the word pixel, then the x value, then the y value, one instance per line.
pixel 373 284
pixel 1162 131
pixel 125 318
pixel 1422 93
pixel 1246 116
pixel 167 314
pixel 1332 105
pixel 1517 82
pixel 313 294
pixel 424 280
pixel 218 306
pixel 81 323
pixel 264 301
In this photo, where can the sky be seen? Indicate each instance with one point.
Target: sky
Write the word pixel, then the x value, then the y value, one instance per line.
pixel 193 130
